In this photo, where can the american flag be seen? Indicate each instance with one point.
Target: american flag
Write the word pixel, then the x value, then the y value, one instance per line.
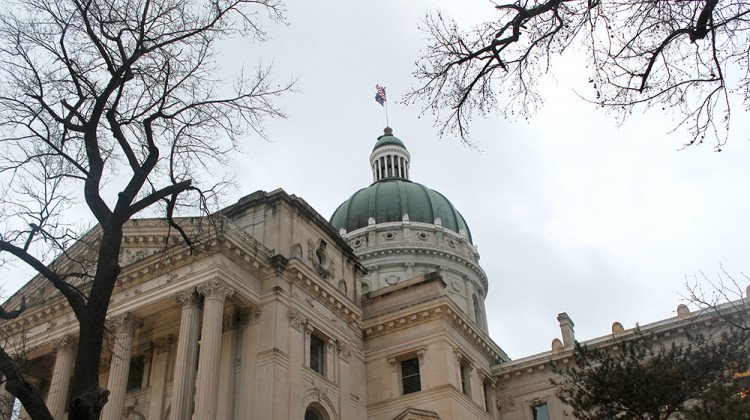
pixel 380 95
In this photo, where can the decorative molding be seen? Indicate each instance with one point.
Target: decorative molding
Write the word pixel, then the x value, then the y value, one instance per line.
pixel 163 344
pixel 188 299
pixel 412 413
pixel 215 289
pixel 297 251
pixel 442 307
pixel 328 296
pixel 408 354
pixel 420 355
pixel 392 279
pixel 344 350
pixel 125 323
pixel 505 403
pixel 296 319
pixel 312 251
pixel 321 397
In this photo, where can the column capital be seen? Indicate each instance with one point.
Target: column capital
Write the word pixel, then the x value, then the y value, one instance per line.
pixel 163 344
pixel 125 323
pixel 215 290
pixel 188 299
pixel 66 345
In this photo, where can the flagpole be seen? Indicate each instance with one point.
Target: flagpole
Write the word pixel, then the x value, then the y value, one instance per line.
pixel 386 114
pixel 380 97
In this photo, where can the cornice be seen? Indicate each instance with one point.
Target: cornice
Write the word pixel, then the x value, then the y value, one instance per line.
pixel 441 307
pixel 667 329
pixel 228 239
pixel 325 293
pixel 385 251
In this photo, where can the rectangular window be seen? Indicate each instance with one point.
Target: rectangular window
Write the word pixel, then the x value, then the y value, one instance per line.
pixel 464 380
pixel 317 354
pixel 135 373
pixel 410 376
pixel 540 412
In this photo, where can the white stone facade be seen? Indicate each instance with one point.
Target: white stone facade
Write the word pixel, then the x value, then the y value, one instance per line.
pixel 279 316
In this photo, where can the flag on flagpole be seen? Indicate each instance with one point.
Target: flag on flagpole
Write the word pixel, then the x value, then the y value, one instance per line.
pixel 380 95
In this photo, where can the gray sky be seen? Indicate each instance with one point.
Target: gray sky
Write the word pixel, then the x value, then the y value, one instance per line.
pixel 570 212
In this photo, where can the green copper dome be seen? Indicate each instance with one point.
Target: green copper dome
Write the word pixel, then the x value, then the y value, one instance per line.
pixel 385 139
pixel 389 199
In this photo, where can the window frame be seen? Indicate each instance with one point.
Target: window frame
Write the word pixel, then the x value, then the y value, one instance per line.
pixel 137 365
pixel 321 359
pixel 464 373
pixel 539 404
pixel 403 378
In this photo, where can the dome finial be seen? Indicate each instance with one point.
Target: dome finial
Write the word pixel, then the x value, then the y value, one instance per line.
pixel 388 131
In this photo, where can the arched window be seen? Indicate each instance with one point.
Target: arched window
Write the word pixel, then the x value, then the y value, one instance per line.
pixel 315 412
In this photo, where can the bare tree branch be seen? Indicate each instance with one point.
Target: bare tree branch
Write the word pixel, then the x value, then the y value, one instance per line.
pixel 667 54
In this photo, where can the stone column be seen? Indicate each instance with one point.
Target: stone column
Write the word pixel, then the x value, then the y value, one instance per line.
pixel 214 294
pixel 59 387
pixel 187 355
pixel 117 383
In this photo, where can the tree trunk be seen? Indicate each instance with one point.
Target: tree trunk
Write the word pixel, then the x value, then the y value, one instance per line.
pixel 88 396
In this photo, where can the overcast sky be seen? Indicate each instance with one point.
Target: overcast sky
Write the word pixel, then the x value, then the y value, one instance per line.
pixel 571 213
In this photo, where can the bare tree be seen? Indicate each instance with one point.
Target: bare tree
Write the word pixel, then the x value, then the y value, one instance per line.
pixel 117 105
pixel 669 54
pixel 723 295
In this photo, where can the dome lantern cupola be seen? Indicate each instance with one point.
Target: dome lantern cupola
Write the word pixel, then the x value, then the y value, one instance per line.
pixel 389 158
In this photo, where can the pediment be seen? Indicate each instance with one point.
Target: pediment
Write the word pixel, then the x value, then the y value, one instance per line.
pixel 417 414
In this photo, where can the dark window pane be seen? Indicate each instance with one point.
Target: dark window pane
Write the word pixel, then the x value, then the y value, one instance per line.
pixel 410 367
pixel 410 376
pixel 412 384
pixel 135 373
pixel 317 347
pixel 540 412
pixel 311 415
pixel 464 389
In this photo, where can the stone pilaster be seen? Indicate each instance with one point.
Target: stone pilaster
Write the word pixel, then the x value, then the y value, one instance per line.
pixel 117 382
pixel 214 294
pixel 57 399
pixel 187 355
pixel 162 349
